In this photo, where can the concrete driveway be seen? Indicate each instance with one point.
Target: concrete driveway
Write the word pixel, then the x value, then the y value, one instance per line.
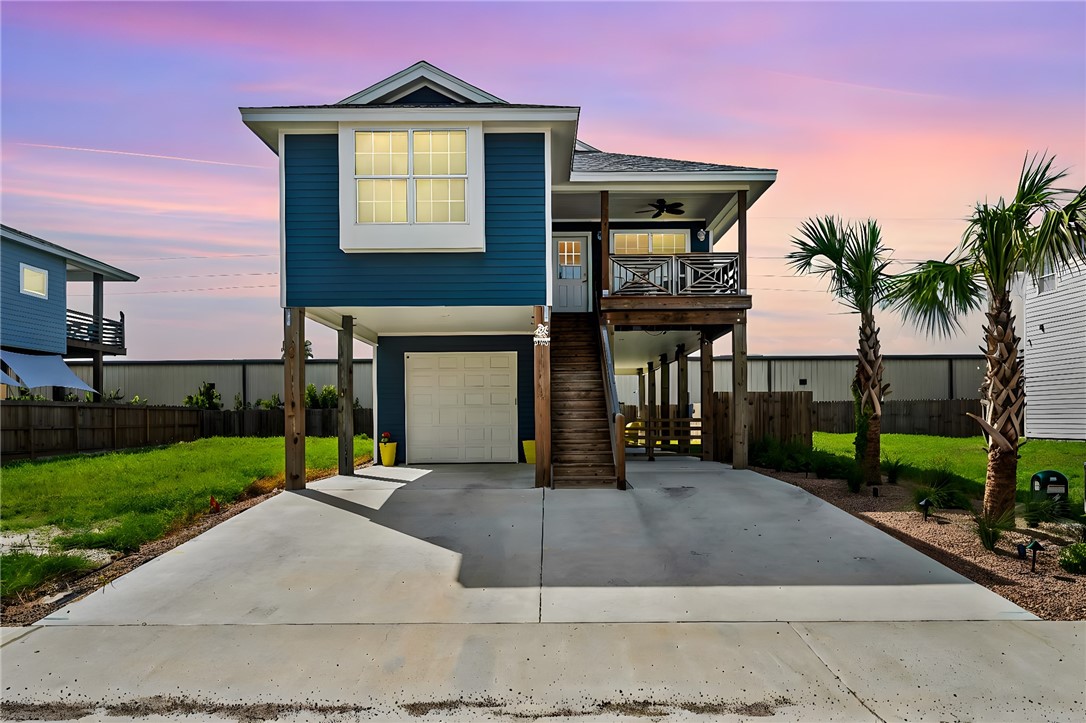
pixel 463 592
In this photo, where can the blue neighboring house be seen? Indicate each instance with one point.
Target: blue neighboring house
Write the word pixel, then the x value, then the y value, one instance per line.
pixel 503 270
pixel 36 326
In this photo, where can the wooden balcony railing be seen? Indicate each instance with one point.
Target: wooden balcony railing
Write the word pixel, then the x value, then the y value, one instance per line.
pixel 703 274
pixel 82 327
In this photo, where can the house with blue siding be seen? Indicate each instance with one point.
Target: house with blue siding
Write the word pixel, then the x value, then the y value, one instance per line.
pixel 36 326
pixel 504 272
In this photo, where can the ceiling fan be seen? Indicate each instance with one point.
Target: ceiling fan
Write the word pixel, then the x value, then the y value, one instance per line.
pixel 661 207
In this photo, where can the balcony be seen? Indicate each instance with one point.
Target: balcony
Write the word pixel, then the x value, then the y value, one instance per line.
pixel 86 334
pixel 704 274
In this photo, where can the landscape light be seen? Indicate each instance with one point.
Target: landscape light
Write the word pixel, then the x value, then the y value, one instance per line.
pixel 1035 546
pixel 926 505
pixel 1021 551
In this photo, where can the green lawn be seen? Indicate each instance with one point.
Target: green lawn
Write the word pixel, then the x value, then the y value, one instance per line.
pixel 967 458
pixel 118 501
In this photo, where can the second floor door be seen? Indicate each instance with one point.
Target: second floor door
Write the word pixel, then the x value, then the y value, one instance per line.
pixel 571 272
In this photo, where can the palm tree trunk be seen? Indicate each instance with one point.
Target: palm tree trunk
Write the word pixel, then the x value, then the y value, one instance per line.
pixel 1003 401
pixel 869 383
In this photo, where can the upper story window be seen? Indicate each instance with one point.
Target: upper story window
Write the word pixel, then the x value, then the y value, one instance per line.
pixel 650 242
pixel 411 176
pixel 412 186
pixel 34 281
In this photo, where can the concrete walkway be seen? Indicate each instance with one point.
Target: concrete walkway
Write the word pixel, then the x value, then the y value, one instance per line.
pixel 702 593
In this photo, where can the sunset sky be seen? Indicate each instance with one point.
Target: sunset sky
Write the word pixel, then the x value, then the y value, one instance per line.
pixel 121 136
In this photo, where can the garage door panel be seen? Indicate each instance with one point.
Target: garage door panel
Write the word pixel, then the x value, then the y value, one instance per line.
pixel 461 407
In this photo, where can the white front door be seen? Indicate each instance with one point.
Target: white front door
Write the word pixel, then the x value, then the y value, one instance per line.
pixel 571 272
pixel 461 406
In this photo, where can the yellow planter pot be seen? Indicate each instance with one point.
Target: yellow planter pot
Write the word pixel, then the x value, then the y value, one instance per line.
pixel 529 450
pixel 388 453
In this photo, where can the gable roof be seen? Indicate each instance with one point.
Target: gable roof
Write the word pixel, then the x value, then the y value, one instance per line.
pixel 420 75
pixel 80 267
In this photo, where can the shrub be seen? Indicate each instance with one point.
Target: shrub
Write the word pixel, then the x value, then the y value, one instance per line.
pixel 328 398
pixel 990 529
pixel 138 401
pixel 206 397
pixel 1046 509
pixel 943 488
pixel 892 468
pixel 1073 558
pixel 240 404
pixel 854 477
pixel 274 403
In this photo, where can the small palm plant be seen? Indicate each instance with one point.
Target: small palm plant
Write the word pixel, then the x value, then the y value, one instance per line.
pixel 1042 227
pixel 854 260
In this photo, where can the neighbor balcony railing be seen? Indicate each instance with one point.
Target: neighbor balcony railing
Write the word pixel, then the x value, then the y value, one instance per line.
pixel 83 327
pixel 704 274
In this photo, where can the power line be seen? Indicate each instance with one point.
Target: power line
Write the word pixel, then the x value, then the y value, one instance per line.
pixel 186 291
pixel 179 258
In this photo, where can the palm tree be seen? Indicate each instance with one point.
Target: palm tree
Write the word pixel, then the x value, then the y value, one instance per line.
pixel 854 260
pixel 1044 226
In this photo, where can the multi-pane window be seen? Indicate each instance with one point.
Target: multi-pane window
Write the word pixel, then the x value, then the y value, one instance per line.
pixel 569 259
pixel 650 242
pixel 411 176
pixel 34 281
pixel 1047 280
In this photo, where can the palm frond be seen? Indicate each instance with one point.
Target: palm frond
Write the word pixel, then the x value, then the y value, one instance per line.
pixel 934 295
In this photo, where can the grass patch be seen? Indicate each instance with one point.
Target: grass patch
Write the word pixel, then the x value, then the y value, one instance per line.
pixel 966 459
pixel 121 500
pixel 21 571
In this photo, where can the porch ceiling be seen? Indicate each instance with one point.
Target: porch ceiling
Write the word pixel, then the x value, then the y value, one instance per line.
pixel 585 205
pixel 371 322
pixel 635 349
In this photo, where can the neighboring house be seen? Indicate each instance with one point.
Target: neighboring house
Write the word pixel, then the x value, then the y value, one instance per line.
pixel 1054 349
pixel 481 248
pixel 36 326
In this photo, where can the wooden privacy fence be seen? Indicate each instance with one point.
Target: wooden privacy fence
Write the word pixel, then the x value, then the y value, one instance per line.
pixel 269 422
pixel 38 429
pixel 43 429
pixel 939 417
pixel 785 416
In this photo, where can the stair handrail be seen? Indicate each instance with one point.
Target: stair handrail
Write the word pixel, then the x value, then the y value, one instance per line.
pixel 616 420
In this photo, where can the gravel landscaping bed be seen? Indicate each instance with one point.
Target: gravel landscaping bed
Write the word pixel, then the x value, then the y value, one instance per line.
pixel 947 537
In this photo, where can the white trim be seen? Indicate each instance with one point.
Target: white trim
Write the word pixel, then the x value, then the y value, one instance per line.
pixel 376 425
pixel 386 89
pixel 459 333
pixel 586 238
pixel 419 85
pixel 452 113
pixel 709 176
pixel 548 215
pixel 23 268
pixel 579 145
pixel 467 236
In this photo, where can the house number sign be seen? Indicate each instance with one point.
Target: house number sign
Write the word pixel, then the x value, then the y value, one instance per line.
pixel 542 335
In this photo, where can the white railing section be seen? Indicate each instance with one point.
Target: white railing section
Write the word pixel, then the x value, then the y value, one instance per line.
pixel 701 274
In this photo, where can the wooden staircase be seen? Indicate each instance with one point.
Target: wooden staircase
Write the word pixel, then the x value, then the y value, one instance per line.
pixel 580 434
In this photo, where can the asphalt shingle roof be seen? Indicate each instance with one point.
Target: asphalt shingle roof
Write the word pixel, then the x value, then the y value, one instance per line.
pixel 600 162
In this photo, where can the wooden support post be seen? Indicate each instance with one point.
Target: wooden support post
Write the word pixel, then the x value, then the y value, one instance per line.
pixel 641 393
pixel 98 375
pixel 650 414
pixel 345 411
pixel 740 408
pixel 605 241
pixel 665 401
pixel 682 370
pixel 742 203
pixel 542 398
pixel 708 400
pixel 294 396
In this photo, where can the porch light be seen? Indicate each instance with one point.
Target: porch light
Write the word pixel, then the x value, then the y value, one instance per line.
pixel 701 234
pixel 926 505
pixel 1035 546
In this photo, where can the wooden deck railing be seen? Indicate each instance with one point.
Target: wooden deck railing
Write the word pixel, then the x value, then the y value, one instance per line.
pixel 676 435
pixel 699 274
pixel 82 327
pixel 615 418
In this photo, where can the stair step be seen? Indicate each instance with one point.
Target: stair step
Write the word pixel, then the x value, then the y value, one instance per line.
pixel 594 483
pixel 583 471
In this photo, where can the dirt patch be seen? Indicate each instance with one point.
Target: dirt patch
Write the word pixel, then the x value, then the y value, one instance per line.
pixel 1050 592
pixel 168 706
pixel 425 708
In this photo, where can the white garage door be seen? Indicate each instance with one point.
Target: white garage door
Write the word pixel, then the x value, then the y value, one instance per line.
pixel 461 407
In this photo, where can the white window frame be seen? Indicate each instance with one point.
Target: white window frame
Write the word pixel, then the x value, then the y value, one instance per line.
pixel 650 231
pixel 451 236
pixel 1048 279
pixel 23 268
